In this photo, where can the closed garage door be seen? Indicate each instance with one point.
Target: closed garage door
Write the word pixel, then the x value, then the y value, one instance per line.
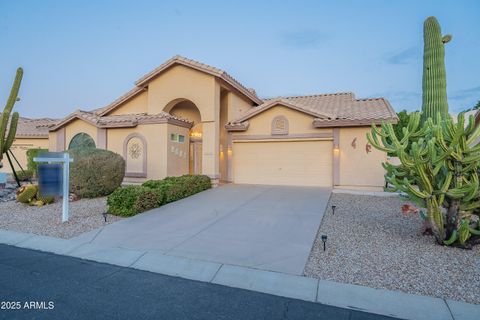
pixel 295 163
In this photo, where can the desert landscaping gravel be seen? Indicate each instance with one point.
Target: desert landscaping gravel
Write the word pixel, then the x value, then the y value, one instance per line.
pixel 85 215
pixel 371 243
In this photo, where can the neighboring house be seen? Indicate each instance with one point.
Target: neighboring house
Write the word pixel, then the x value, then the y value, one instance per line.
pixel 31 133
pixel 188 117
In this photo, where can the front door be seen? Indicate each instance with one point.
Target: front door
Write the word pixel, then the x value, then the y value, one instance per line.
pixel 195 157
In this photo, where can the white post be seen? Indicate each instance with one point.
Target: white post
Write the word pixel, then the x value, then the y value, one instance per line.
pixel 66 182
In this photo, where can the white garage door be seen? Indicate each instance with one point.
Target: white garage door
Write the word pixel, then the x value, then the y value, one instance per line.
pixel 294 163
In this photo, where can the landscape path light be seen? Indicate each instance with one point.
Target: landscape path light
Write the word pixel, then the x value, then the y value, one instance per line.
pixel 324 240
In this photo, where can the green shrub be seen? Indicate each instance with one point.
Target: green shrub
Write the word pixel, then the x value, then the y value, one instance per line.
pixel 24 175
pixel 95 172
pixel 33 153
pixel 130 200
pixel 148 199
pixel 121 202
pixel 176 188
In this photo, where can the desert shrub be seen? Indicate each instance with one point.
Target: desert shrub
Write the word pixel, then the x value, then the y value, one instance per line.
pixel 121 202
pixel 148 199
pixel 95 172
pixel 24 175
pixel 176 188
pixel 32 165
pixel 130 200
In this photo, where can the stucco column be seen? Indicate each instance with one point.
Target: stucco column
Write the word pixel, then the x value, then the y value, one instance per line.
pixel 57 140
pixel 336 156
pixel 211 141
pixel 229 157
pixel 101 138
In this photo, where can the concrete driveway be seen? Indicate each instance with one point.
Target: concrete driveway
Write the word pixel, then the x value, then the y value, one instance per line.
pixel 264 227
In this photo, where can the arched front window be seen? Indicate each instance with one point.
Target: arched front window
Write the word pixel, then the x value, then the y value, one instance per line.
pixel 280 125
pixel 81 140
pixel 135 154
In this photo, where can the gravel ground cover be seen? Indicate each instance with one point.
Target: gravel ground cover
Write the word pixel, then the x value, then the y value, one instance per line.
pixel 371 243
pixel 85 215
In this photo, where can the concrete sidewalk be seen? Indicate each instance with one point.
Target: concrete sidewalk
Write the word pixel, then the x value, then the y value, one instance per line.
pixel 382 302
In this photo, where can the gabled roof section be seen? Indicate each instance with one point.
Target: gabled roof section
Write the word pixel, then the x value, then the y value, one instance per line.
pixel 249 93
pixel 283 102
pixel 121 121
pixel 329 110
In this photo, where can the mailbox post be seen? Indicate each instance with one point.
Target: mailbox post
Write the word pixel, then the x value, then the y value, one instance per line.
pixel 64 159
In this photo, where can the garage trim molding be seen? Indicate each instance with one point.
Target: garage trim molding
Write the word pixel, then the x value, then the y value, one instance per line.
pixel 323 136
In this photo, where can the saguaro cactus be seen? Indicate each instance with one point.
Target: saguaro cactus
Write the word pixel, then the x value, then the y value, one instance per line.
pixel 6 137
pixel 434 83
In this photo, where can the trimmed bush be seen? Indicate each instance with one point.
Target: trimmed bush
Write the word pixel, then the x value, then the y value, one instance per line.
pixel 33 153
pixel 95 172
pixel 149 199
pixel 121 202
pixel 24 175
pixel 130 200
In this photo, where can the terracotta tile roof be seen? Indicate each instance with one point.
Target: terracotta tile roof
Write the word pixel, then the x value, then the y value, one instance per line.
pixel 335 109
pixel 120 121
pixel 34 128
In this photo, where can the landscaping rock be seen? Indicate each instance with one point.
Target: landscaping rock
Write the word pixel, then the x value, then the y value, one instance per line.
pixel 85 215
pixel 371 243
pixel 8 192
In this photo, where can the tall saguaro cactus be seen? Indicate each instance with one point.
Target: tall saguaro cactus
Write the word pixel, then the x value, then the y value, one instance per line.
pixel 434 82
pixel 7 137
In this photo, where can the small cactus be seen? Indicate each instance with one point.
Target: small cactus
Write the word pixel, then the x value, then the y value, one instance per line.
pixel 45 199
pixel 27 193
pixel 30 194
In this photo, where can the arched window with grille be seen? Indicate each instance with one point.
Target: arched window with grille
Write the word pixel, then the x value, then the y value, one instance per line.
pixel 81 140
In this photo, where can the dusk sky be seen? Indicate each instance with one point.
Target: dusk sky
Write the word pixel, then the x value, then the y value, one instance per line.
pixel 85 54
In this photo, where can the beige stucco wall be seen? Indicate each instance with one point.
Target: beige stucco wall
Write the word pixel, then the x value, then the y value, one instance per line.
pixel 236 106
pixel 52 140
pixel 224 115
pixel 180 82
pixel 357 167
pixel 137 104
pixel 178 152
pixel 19 148
pixel 298 122
pixel 156 137
pixel 77 126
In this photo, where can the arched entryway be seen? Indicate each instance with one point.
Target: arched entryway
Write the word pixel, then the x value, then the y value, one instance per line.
pixel 186 109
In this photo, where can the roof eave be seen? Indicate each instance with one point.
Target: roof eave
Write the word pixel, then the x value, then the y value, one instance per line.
pixel 320 123
pixel 232 127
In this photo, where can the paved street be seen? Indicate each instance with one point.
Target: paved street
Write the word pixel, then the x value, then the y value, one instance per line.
pixel 264 227
pixel 82 289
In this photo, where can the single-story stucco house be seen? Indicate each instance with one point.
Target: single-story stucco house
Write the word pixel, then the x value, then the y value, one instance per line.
pixel 188 117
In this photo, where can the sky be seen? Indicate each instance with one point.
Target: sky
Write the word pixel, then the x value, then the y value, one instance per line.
pixel 85 54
